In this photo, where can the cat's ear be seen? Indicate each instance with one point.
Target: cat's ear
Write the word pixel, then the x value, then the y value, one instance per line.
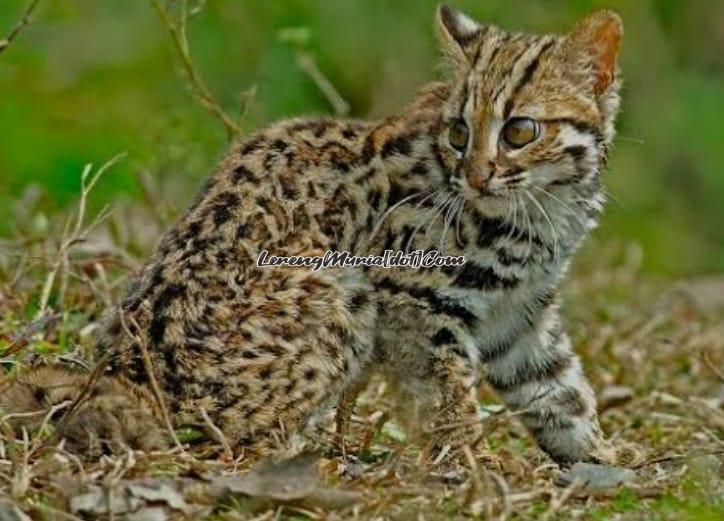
pixel 595 40
pixel 457 33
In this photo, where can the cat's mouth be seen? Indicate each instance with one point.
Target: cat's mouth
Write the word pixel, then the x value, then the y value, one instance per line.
pixel 486 192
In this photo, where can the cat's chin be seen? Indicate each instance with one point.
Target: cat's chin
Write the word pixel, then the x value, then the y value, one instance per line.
pixel 492 204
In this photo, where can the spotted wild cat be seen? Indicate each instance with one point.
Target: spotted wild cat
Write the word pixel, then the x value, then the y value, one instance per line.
pixel 501 163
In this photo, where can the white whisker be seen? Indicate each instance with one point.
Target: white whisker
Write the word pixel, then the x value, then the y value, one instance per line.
pixel 570 210
pixel 449 216
pixel 529 229
pixel 389 211
pixel 457 222
pixel 610 194
pixel 440 211
pixel 440 197
pixel 554 233
pixel 514 216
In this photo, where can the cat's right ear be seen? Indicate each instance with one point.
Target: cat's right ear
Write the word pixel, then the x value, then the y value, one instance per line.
pixel 595 42
pixel 458 34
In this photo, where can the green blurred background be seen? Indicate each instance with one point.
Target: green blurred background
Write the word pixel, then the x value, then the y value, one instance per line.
pixel 91 78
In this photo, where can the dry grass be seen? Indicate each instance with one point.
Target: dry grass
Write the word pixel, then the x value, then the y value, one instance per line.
pixel 652 347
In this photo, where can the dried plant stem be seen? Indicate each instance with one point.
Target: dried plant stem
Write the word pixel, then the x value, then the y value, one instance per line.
pixel 95 375
pixel 306 62
pixel 74 233
pixel 148 365
pixel 177 31
pixel 218 435
pixel 22 24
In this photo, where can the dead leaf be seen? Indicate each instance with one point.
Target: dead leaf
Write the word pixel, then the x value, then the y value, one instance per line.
pixel 132 497
pixel 295 480
pixel 287 480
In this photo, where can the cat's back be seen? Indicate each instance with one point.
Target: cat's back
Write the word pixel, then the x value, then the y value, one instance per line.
pixel 282 190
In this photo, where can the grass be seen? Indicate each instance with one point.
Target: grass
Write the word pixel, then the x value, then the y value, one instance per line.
pixel 659 339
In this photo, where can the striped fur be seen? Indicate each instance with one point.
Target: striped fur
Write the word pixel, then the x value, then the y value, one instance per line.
pixel 264 351
pixel 520 231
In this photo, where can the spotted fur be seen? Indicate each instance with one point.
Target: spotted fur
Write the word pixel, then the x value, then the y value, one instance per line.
pixel 264 351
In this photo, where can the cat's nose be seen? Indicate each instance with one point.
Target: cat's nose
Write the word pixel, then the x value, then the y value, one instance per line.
pixel 478 176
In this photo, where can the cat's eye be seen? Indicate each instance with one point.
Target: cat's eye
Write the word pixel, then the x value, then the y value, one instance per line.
pixel 458 135
pixel 518 132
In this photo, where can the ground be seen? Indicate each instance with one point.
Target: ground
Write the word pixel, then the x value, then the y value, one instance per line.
pixel 652 347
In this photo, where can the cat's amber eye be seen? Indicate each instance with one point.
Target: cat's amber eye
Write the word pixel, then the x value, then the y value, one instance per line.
pixel 458 135
pixel 518 132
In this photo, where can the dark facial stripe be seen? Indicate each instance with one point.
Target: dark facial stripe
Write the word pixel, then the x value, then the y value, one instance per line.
pixel 581 126
pixel 437 303
pixel 578 154
pixel 493 55
pixel 514 171
pixel 525 78
pixel 508 73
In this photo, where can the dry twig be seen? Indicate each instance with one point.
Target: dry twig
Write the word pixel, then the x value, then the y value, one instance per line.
pixel 177 30
pixel 151 376
pixel 308 64
pixel 22 24
pixel 74 233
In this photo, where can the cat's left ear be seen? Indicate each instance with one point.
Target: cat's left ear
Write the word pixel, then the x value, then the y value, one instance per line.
pixel 457 33
pixel 596 40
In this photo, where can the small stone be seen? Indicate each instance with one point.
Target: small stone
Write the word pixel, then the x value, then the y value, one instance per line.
pixel 705 465
pixel 10 512
pixel 595 477
pixel 149 514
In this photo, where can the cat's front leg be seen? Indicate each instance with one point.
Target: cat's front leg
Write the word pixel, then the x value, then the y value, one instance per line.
pixel 435 395
pixel 540 378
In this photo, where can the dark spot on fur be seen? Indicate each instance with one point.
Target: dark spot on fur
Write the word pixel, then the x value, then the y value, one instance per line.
pixel 358 300
pixel 242 173
pixel 419 168
pixel 443 337
pixel 252 145
pixel 399 145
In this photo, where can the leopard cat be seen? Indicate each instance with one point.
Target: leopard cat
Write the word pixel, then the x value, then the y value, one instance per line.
pixel 501 163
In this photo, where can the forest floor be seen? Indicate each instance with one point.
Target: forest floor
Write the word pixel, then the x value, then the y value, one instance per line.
pixel 654 350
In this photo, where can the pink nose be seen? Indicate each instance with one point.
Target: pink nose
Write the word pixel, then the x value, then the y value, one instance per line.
pixel 478 176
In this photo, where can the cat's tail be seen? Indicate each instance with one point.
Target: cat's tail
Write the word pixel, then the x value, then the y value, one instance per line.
pixel 108 414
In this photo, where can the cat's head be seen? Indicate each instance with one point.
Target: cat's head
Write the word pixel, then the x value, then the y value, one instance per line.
pixel 527 112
